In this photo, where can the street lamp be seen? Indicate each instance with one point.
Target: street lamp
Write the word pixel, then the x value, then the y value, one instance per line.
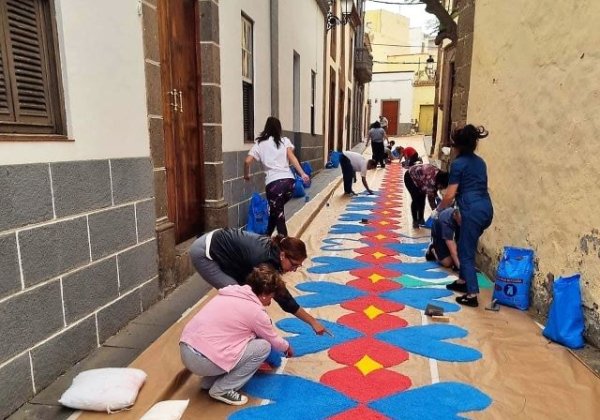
pixel 429 69
pixel 333 20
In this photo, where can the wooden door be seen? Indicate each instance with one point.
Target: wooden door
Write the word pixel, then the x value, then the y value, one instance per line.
pixel 340 125
pixel 391 111
pixel 184 160
pixel 426 119
pixel 331 129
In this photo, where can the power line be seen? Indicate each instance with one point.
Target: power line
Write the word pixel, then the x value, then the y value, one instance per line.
pixel 396 3
pixel 406 46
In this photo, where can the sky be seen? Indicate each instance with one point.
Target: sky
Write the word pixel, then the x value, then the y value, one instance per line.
pixel 417 14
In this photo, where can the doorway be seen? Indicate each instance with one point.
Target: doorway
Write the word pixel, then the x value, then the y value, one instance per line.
pixel 426 119
pixel 391 111
pixel 181 96
pixel 331 128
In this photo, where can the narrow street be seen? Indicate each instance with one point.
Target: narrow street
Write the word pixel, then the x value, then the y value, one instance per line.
pixel 369 284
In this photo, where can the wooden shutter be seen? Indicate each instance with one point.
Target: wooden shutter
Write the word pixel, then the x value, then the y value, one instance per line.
pixel 248 108
pixel 29 66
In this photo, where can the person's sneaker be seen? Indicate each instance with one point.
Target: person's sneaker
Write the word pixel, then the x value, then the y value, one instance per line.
pixel 232 398
pixel 455 286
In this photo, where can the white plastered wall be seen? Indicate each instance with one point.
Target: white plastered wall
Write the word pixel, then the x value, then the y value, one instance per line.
pixel 102 66
pixel 230 36
pixel 390 86
pixel 301 29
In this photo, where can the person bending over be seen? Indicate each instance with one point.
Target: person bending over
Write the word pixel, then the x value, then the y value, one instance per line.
pixel 226 256
pixel 229 338
pixel 351 163
pixel 423 181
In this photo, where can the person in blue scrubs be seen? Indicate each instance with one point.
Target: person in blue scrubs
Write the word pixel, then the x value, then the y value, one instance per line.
pixel 468 184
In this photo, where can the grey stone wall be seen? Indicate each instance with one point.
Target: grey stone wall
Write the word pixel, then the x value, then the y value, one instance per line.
pixel 78 261
pixel 237 191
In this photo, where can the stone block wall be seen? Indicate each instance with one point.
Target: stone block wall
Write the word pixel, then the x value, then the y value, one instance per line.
pixel 78 261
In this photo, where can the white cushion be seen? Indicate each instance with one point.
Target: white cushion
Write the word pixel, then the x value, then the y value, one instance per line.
pixel 108 389
pixel 166 410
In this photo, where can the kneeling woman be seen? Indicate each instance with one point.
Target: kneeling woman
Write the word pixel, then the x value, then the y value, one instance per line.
pixel 226 256
pixel 228 339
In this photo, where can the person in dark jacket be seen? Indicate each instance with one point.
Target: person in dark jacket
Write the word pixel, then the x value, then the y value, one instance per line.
pixel 226 256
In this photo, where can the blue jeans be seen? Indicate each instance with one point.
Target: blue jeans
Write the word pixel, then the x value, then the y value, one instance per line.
pixel 475 219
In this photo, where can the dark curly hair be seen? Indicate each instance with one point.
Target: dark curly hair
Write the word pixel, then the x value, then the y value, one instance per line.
pixel 465 138
pixel 264 280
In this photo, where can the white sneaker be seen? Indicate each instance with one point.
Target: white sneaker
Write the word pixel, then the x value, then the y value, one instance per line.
pixel 232 398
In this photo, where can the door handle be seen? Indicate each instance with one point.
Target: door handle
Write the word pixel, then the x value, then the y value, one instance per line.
pixel 181 102
pixel 174 103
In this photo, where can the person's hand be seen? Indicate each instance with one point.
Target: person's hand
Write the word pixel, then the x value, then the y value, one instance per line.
pixel 247 177
pixel 319 329
pixel 434 214
pixel 289 352
pixel 305 178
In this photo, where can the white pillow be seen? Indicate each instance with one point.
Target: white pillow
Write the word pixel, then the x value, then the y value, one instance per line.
pixel 108 389
pixel 166 410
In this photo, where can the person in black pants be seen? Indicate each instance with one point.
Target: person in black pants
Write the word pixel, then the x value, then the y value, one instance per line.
pixel 351 163
pixel 376 137
pixel 423 181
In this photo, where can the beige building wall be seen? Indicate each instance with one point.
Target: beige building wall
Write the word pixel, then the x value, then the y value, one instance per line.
pixel 534 85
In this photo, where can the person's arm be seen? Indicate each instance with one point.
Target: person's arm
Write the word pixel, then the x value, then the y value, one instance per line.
pixel 451 244
pixel 263 328
pixel 364 181
pixel 247 162
pixel 294 161
pixel 317 327
pixel 448 197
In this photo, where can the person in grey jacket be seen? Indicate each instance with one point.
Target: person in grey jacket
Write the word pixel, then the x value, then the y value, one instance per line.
pixel 226 256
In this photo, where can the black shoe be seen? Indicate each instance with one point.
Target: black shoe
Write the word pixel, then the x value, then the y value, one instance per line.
pixel 429 254
pixel 468 301
pixel 421 222
pixel 457 287
pixel 415 225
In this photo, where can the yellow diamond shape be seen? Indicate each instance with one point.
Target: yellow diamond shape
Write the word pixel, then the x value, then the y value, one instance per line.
pixel 380 236
pixel 375 277
pixel 378 255
pixel 373 312
pixel 383 223
pixel 367 365
pixel 385 212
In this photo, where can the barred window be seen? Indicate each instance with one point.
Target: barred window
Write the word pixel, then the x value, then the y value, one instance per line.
pixel 248 78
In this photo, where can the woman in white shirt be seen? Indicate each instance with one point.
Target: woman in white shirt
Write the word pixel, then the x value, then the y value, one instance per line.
pixel 275 153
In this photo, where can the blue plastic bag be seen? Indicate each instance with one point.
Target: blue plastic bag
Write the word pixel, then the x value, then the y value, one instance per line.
pixel 308 170
pixel 565 319
pixel 298 188
pixel 258 214
pixel 335 159
pixel 513 277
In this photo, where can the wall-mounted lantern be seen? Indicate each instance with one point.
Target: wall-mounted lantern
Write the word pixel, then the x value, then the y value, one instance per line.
pixel 429 67
pixel 333 20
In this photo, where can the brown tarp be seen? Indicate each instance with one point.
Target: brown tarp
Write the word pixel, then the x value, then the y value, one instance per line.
pixel 526 376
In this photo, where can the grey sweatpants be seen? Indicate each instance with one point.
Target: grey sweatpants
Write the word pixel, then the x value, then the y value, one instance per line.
pixel 218 381
pixel 207 268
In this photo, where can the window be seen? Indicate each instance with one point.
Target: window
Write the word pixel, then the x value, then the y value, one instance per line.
pixel 30 95
pixel 247 79
pixel 332 34
pixel 313 92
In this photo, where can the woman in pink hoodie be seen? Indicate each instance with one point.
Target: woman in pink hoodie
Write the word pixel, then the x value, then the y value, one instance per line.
pixel 228 339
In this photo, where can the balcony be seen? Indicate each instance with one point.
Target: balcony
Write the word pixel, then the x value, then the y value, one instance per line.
pixel 363 65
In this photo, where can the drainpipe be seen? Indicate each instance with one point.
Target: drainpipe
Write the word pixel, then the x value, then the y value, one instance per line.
pixel 274 8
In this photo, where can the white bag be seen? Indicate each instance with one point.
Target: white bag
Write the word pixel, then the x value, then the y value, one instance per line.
pixel 166 410
pixel 108 389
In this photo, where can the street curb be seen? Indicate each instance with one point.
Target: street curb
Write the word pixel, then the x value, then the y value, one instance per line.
pixel 309 219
